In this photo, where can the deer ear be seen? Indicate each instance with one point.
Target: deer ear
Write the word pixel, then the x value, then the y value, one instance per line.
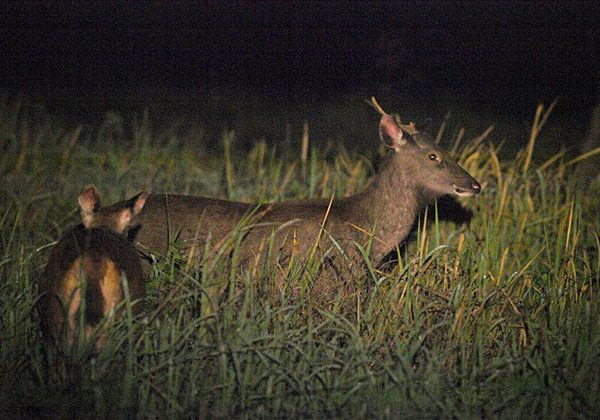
pixel 89 203
pixel 139 202
pixel 390 133
pixel 123 219
pixel 426 125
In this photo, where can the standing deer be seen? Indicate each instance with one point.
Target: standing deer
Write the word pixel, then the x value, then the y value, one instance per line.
pixel 96 253
pixel 415 172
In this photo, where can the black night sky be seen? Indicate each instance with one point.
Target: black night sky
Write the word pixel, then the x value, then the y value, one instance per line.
pixel 498 55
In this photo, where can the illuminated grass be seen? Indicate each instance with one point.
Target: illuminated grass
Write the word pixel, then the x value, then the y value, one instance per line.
pixel 496 317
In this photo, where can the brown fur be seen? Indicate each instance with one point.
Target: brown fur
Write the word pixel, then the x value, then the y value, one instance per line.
pixel 97 253
pixel 414 173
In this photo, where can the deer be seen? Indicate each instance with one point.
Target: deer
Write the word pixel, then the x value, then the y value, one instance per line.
pixel 414 173
pixel 94 253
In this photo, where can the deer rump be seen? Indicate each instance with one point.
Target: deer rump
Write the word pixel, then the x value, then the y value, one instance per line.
pixel 99 257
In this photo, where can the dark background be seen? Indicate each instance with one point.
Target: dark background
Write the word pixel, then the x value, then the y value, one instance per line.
pixel 493 57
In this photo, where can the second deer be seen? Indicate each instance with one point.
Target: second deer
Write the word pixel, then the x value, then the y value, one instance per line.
pixel 94 253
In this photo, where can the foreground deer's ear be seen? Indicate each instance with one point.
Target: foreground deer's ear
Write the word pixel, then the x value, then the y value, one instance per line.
pixel 390 133
pixel 123 219
pixel 139 202
pixel 89 203
pixel 89 199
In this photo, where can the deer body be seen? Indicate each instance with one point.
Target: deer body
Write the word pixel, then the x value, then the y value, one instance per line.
pixel 96 253
pixel 415 173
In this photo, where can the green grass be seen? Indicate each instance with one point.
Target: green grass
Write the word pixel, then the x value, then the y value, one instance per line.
pixel 498 317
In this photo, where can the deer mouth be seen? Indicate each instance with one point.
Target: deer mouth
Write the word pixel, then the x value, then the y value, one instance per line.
pixel 466 192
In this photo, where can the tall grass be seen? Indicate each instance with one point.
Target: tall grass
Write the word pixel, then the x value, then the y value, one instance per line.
pixel 496 317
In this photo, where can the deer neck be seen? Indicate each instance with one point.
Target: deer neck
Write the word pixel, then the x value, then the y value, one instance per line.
pixel 389 206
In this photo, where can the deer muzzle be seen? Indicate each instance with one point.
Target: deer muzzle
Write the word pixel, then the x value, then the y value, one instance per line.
pixel 462 191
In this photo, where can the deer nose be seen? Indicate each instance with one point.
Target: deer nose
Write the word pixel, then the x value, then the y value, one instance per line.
pixel 476 187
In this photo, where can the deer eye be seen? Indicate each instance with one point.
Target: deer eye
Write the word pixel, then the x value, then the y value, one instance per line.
pixel 433 156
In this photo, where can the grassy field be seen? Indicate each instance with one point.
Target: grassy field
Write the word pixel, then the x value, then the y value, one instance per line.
pixel 498 316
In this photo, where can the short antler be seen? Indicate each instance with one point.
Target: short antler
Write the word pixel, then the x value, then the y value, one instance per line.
pixel 373 102
pixel 410 128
